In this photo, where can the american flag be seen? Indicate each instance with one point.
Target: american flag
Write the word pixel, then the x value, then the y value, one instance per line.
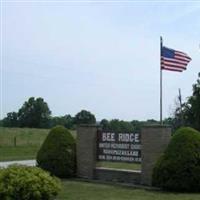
pixel 174 60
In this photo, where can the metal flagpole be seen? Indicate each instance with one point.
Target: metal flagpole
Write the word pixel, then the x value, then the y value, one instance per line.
pixel 161 44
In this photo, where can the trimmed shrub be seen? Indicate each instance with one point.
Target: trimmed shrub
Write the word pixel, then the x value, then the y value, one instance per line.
pixel 19 182
pixel 57 154
pixel 178 169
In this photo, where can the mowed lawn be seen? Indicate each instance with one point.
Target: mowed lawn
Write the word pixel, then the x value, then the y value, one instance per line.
pixel 74 190
pixel 119 165
pixel 20 143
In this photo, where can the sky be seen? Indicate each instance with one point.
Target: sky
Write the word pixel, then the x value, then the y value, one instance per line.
pixel 101 56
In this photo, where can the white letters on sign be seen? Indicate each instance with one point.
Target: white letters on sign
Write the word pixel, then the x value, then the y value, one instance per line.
pixel 119 147
pixel 128 137
pixel 108 137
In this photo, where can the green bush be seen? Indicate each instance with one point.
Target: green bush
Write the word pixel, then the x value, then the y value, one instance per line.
pixel 57 154
pixel 20 182
pixel 178 169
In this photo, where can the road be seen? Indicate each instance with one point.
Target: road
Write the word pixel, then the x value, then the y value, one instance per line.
pixel 22 162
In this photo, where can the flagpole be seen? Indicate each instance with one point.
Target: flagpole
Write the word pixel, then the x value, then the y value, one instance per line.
pixel 161 44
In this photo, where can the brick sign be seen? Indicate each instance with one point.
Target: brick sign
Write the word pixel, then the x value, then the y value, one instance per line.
pixel 118 147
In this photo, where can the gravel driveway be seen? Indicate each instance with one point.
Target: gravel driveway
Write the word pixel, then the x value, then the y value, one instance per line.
pixel 22 162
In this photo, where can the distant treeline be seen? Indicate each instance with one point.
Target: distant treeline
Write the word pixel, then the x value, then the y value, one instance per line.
pixel 35 113
pixel 117 125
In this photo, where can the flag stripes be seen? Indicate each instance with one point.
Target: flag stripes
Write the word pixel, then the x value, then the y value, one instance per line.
pixel 173 60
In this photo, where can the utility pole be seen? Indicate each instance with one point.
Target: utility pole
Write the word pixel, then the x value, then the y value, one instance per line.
pixel 180 101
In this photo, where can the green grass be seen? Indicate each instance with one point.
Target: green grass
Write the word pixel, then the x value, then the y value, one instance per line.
pixel 28 142
pixel 18 153
pixel 118 165
pixel 74 190
pixel 24 136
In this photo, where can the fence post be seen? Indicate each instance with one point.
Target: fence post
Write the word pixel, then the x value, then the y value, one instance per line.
pixel 15 141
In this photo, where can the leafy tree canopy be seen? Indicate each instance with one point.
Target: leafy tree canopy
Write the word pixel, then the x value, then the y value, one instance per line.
pixel 67 121
pixel 84 117
pixel 34 113
pixel 11 120
pixel 188 114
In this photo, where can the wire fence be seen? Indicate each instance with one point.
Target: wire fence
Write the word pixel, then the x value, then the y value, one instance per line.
pixel 22 137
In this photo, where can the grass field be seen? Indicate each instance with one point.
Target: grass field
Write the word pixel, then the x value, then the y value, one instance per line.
pixel 18 153
pixel 119 165
pixel 24 136
pixel 20 143
pixel 73 190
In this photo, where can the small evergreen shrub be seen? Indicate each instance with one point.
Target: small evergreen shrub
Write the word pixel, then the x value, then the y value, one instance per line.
pixel 178 169
pixel 57 154
pixel 19 182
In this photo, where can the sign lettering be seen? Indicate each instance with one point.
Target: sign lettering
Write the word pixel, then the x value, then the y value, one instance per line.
pixel 119 147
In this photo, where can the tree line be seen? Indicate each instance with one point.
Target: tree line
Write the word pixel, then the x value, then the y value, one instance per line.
pixel 35 113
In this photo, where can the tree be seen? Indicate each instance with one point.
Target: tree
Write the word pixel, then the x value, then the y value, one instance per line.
pixel 34 113
pixel 116 125
pixel 126 126
pixel 188 114
pixel 192 108
pixel 169 121
pixel 152 121
pixel 66 121
pixel 137 125
pixel 69 121
pixel 84 117
pixel 11 120
pixel 105 124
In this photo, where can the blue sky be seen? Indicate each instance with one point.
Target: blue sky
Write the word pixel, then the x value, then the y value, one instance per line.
pixel 103 57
